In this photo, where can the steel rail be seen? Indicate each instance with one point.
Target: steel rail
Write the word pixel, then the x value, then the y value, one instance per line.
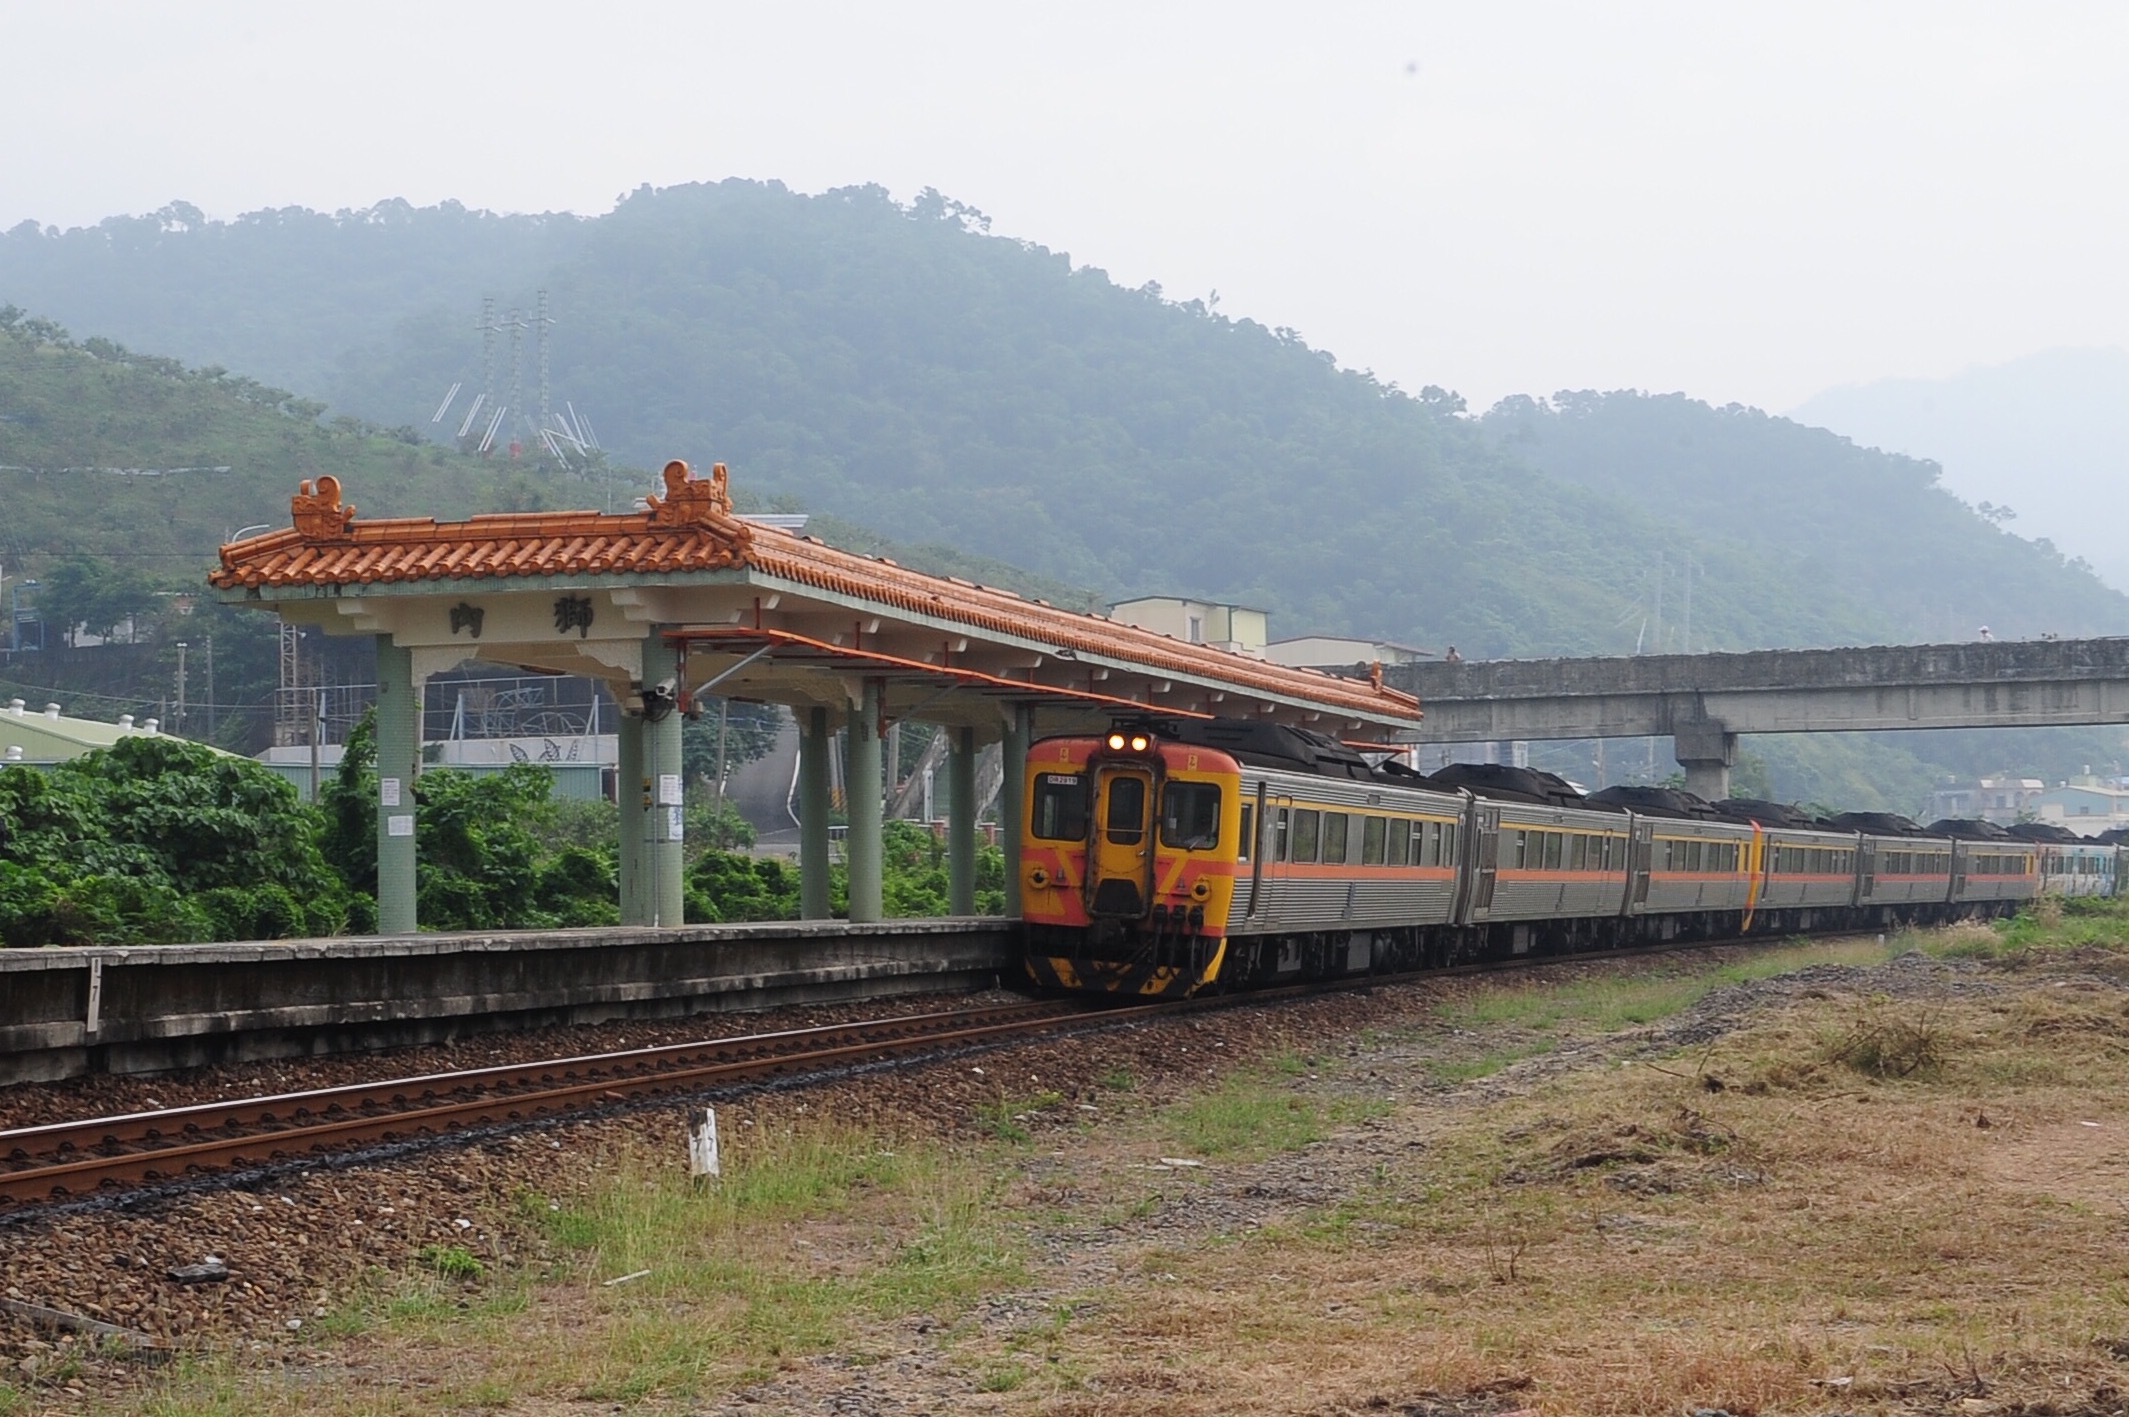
pixel 261 1130
pixel 521 1092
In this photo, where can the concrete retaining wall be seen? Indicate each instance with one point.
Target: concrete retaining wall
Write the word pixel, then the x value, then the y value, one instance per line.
pixel 74 1011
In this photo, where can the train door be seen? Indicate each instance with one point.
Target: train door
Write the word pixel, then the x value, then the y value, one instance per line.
pixel 1485 860
pixel 1640 861
pixel 1866 869
pixel 1261 841
pixel 1120 867
pixel 1960 851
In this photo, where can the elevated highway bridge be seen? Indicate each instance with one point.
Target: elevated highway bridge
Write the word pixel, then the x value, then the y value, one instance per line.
pixel 1703 702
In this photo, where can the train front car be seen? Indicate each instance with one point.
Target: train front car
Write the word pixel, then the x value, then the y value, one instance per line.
pixel 1127 861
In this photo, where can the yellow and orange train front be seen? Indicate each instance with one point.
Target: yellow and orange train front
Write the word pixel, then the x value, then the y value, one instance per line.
pixel 1127 860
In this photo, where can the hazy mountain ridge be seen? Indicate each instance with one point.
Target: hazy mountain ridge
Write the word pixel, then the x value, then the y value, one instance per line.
pixel 898 367
pixel 2046 435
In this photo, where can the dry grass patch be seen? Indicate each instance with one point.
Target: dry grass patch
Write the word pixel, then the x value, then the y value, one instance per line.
pixel 1887 1206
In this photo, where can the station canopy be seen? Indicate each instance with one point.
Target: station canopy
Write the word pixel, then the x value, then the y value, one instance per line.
pixel 758 613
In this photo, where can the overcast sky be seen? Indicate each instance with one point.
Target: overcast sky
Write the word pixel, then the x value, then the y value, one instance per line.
pixel 1741 203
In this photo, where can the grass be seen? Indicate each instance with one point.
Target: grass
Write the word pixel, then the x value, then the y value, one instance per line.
pixel 1609 1002
pixel 1257 1113
pixel 815 1233
pixel 1894 1192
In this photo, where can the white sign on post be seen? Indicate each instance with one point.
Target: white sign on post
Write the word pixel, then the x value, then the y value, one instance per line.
pixel 673 820
pixel 669 789
pixel 399 825
pixel 702 1158
pixel 388 791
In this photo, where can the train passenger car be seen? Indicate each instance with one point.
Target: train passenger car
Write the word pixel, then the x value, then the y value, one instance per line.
pixel 1539 862
pixel 1806 876
pixel 1693 866
pixel 1897 866
pixel 1987 872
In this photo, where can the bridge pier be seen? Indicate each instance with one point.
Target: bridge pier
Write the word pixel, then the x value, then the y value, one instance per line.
pixel 1707 753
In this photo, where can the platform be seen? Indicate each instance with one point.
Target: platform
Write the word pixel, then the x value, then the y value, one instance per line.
pixel 69 1012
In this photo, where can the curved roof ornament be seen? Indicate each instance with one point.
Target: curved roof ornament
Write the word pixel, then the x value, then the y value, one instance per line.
pixel 317 512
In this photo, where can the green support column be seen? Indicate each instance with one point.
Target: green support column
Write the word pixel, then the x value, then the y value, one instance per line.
pixel 636 904
pixel 654 895
pixel 961 822
pixel 1012 801
pixel 865 805
pixel 814 744
pixel 398 758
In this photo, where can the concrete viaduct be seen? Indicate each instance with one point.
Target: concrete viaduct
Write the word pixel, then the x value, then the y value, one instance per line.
pixel 1704 701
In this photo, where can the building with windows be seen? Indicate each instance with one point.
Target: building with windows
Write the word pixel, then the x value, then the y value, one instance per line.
pixel 1235 628
pixel 2001 799
pixel 2086 805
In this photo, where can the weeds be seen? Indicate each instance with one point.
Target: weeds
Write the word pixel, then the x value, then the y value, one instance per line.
pixel 1006 1118
pixel 451 1261
pixel 1883 1041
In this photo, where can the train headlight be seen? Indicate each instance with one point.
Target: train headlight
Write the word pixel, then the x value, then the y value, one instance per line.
pixel 1138 742
pixel 1116 742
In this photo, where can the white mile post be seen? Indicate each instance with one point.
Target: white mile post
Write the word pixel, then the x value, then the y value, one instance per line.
pixel 702 1157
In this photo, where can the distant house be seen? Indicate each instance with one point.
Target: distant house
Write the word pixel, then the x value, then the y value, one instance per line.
pixel 1199 622
pixel 2001 799
pixel 2086 805
pixel 47 738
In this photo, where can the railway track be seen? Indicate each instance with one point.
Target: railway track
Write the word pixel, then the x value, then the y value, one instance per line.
pixel 66 1160
pixel 70 1160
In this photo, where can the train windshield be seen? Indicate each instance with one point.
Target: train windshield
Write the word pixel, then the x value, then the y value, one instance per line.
pixel 1060 807
pixel 1127 810
pixel 1190 815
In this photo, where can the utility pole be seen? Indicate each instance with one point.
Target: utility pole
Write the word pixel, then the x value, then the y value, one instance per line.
pixel 210 688
pixel 181 686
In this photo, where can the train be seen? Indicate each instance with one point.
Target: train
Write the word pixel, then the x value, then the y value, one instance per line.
pixel 1167 858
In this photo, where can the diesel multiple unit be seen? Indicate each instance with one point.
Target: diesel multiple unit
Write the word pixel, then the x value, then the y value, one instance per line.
pixel 1165 859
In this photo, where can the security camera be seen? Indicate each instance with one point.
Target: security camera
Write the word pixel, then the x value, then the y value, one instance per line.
pixel 658 701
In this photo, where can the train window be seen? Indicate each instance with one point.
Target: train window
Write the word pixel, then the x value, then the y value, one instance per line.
pixel 1372 834
pixel 1126 825
pixel 1555 843
pixel 1449 838
pixel 1279 835
pixel 1060 807
pixel 1190 815
pixel 1433 844
pixel 1334 830
pixel 1306 826
pixel 1247 846
pixel 1399 850
pixel 1522 850
pixel 1578 852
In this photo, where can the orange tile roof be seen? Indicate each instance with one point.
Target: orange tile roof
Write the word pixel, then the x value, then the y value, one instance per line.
pixel 693 528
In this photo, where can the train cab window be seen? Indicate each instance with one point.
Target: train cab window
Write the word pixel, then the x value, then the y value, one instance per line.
pixel 1334 837
pixel 1247 846
pixel 1060 807
pixel 1372 832
pixel 1190 815
pixel 1307 825
pixel 1126 825
pixel 1399 850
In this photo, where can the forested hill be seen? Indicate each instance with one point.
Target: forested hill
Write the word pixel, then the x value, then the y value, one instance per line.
pixel 1851 522
pixel 901 368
